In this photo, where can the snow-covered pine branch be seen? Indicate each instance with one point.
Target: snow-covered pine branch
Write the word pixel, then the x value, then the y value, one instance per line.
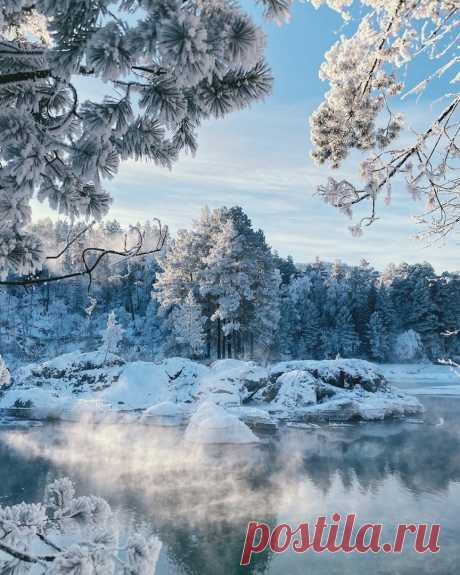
pixel 179 63
pixel 68 535
pixel 364 73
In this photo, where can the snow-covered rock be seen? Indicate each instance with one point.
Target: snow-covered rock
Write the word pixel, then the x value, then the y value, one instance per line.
pixel 257 419
pixel 81 385
pixel 183 377
pixel 166 414
pixel 365 406
pixel 229 381
pixel 165 409
pixel 140 385
pixel 77 371
pixel 342 373
pixel 211 423
pixel 295 390
pixel 381 406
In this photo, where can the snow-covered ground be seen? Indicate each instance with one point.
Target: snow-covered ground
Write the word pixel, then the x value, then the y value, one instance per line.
pixel 220 402
pixel 423 378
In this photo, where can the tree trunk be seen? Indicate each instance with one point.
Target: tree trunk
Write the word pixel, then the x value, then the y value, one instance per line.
pixel 219 355
pixel 208 339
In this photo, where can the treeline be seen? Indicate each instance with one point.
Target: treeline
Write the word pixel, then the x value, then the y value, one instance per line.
pixel 218 291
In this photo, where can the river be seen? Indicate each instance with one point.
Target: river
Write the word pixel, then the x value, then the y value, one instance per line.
pixel 199 500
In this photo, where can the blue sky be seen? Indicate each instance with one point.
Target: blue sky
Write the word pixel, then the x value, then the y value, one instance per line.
pixel 259 159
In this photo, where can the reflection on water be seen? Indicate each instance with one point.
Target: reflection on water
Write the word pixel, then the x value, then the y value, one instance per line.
pixel 199 500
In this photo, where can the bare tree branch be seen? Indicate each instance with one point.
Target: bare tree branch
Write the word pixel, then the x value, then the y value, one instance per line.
pixel 89 268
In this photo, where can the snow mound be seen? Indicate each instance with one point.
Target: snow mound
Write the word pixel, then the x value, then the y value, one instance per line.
pixel 211 423
pixel 140 385
pixel 247 412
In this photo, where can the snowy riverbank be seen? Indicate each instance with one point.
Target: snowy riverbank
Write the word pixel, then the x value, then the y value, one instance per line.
pixel 217 402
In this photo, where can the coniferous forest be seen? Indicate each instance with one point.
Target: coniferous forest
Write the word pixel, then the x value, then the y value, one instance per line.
pixel 217 290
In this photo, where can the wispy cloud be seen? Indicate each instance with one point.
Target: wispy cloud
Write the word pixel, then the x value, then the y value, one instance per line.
pixel 259 159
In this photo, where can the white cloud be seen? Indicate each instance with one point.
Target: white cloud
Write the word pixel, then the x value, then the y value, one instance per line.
pixel 259 159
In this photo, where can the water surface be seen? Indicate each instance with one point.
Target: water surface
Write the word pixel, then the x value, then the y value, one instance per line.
pixel 199 500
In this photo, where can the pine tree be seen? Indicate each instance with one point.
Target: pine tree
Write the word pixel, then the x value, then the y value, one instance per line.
pixel 423 315
pixel 379 341
pixel 347 340
pixel 187 327
pixel 112 335
pixel 311 333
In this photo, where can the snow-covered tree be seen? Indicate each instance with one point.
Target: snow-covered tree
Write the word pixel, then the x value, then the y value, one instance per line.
pixel 368 69
pixel 408 346
pixel 302 314
pixel 379 343
pixel 70 535
pixel 232 274
pixel 187 323
pixel 112 335
pixel 4 373
pixel 165 71
pixel 227 279
pixel 345 340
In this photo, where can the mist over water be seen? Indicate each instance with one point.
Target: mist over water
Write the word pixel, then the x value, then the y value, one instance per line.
pixel 199 499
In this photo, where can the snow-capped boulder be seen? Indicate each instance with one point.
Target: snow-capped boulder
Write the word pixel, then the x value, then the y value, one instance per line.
pixel 165 409
pixel 342 373
pixel 364 406
pixel 78 371
pixel 379 406
pixel 257 419
pixel 211 423
pixel 182 377
pixel 294 390
pixel 140 385
pixel 229 381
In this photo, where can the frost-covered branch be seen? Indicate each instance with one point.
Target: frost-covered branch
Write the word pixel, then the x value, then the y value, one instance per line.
pixel 86 529
pixel 178 64
pixel 363 74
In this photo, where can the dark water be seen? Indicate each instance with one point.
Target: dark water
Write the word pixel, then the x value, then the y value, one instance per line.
pixel 199 501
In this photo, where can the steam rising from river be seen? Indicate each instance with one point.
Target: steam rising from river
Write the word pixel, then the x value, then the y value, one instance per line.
pixel 197 496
